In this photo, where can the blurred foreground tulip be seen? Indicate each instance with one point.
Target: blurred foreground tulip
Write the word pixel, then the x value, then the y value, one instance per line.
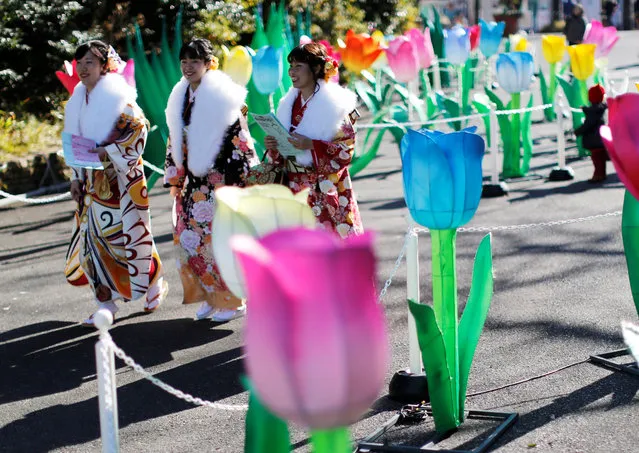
pixel 253 211
pixel 360 51
pixel 316 342
pixel 238 64
pixel 491 34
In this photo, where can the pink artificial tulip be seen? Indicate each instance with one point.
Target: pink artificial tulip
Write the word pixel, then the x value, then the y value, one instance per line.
pixel 69 78
pixel 474 33
pixel 423 46
pixel 604 37
pixel 315 338
pixel 402 59
pixel 128 72
pixel 621 139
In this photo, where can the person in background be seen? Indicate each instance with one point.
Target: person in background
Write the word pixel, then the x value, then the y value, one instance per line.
pixel 112 248
pixel 209 146
pixel 575 26
pixel 609 8
pixel 319 115
pixel 589 131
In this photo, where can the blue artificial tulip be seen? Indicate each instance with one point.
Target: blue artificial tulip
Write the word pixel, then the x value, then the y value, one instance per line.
pixel 491 34
pixel 442 176
pixel 267 69
pixel 457 45
pixel 515 71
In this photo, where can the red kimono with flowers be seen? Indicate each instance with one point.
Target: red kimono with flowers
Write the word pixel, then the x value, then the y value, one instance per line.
pixel 331 196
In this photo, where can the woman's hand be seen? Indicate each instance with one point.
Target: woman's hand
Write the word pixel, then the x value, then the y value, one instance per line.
pixel 100 151
pixel 270 142
pixel 175 191
pixel 76 190
pixel 300 141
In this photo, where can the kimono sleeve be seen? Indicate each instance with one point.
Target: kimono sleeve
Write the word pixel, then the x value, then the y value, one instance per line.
pixel 334 157
pixel 240 153
pixel 126 150
pixel 173 175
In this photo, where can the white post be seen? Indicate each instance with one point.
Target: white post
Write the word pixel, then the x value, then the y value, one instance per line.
pixel 107 396
pixel 494 145
pixel 561 143
pixel 412 290
pixel 437 80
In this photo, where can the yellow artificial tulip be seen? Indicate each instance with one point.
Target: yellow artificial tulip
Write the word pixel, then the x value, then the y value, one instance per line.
pixel 553 47
pixel 637 85
pixel 253 211
pixel 238 64
pixel 582 60
pixel 518 42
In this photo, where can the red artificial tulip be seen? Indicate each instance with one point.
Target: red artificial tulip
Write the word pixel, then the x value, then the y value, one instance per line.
pixel 69 78
pixel 621 139
pixel 475 33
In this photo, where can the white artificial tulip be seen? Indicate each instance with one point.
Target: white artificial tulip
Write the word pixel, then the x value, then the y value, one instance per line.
pixel 254 211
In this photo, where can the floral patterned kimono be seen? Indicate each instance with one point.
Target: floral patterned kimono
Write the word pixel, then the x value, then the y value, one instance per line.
pixel 215 149
pixel 325 118
pixel 112 248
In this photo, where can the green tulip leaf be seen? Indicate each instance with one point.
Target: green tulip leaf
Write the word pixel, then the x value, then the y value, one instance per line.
pixel 482 104
pixel 360 162
pixel 370 78
pixel 367 96
pixel 440 388
pixel 475 312
pixel 264 432
pixel 630 235
pixel 450 109
pixel 495 99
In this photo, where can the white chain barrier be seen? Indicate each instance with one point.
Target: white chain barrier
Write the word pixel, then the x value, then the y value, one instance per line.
pixel 23 198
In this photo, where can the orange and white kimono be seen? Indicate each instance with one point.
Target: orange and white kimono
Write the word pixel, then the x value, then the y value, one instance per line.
pixel 112 247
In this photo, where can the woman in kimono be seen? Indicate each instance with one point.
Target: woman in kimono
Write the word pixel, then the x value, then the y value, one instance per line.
pixel 320 116
pixel 112 248
pixel 209 147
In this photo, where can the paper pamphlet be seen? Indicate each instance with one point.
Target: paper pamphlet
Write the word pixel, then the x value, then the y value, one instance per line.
pixel 76 151
pixel 272 126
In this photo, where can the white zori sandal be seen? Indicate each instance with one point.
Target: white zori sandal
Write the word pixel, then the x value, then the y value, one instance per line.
pixel 156 295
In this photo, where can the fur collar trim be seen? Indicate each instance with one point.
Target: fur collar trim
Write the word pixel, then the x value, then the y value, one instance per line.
pixel 218 103
pixel 324 113
pixel 107 101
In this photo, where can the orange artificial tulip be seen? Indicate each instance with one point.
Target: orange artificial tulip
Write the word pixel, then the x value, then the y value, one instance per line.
pixel 360 51
pixel 553 47
pixel 582 60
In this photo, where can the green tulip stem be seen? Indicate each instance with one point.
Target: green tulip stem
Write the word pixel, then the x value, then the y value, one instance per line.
pixel 271 105
pixel 514 158
pixel 460 80
pixel 629 229
pixel 445 301
pixel 583 89
pixel 336 440
pixel 552 87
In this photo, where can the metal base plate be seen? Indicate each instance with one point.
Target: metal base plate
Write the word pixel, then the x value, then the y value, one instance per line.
pixel 604 361
pixel 507 420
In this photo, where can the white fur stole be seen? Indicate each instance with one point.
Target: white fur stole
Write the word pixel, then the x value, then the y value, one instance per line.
pixel 218 104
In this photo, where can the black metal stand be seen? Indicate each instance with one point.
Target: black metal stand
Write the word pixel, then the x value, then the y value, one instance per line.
pixel 494 190
pixel 604 361
pixel 369 445
pixel 561 174
pixel 407 387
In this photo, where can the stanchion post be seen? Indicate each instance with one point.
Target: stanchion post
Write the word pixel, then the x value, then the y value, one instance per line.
pixel 561 172
pixel 437 80
pixel 494 188
pixel 412 291
pixel 410 385
pixel 107 396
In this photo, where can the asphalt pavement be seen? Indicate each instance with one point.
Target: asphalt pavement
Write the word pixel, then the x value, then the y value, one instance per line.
pixel 561 292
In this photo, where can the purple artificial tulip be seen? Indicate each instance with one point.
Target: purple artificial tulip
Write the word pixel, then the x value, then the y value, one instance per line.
pixel 315 338
pixel 423 46
pixel 402 59
pixel 457 45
